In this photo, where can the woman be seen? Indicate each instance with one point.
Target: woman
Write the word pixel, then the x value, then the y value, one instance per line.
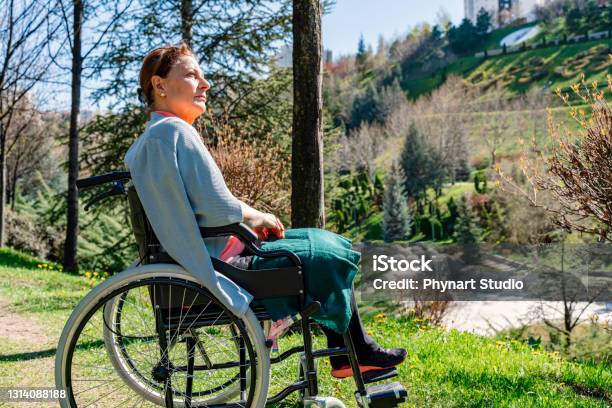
pixel 181 189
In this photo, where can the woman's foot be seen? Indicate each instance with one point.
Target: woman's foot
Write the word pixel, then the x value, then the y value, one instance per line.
pixel 380 359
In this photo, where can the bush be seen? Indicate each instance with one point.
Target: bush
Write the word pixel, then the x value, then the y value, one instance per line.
pixel 480 181
pixel 26 234
pixel 430 227
pixel 254 169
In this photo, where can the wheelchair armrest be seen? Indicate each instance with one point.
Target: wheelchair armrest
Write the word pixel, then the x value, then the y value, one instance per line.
pixel 250 238
pixel 239 229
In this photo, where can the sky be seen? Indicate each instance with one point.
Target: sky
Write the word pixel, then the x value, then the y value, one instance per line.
pixel 351 18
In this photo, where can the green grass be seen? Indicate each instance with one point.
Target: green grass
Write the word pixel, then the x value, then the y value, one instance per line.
pixel 522 70
pixel 445 368
pixel 556 66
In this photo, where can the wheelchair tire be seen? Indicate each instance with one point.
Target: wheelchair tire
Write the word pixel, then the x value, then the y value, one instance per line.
pixel 145 385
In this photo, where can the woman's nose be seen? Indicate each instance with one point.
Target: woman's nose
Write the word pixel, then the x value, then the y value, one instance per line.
pixel 204 84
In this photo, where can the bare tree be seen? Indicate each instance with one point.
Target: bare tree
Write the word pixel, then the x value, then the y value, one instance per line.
pixel 359 149
pixel 26 31
pixel 307 201
pixel 496 118
pixel 443 118
pixel 572 310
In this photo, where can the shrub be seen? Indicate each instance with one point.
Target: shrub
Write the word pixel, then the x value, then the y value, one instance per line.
pixel 430 227
pixel 355 198
pixel 254 169
pixel 577 171
pixel 480 181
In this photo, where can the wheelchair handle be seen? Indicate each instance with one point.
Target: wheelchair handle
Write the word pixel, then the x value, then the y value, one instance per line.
pixel 103 179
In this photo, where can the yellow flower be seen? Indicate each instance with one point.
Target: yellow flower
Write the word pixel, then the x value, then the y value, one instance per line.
pixel 95 274
pixel 380 316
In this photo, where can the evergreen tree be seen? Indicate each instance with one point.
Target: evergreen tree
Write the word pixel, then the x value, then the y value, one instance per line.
pixel 362 53
pixel 466 232
pixel 436 33
pixel 422 165
pixel 463 39
pixel 365 107
pixel 483 23
pixel 397 221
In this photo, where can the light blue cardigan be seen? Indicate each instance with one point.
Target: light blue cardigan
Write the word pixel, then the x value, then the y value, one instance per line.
pixel 181 188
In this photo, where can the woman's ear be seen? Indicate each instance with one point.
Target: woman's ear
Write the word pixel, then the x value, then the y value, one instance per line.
pixel 158 85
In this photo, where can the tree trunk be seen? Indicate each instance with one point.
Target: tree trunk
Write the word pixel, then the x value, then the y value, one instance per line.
pixel 307 205
pixel 186 21
pixel 2 185
pixel 14 183
pixel 70 246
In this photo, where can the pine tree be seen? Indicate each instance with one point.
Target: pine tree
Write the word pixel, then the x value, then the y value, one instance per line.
pixel 362 53
pixel 483 23
pixel 421 164
pixel 466 232
pixel 397 221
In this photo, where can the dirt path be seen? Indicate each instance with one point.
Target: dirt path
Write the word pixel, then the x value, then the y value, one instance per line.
pixel 19 328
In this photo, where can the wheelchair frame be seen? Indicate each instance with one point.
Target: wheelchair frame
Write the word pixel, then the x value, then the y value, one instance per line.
pixel 289 281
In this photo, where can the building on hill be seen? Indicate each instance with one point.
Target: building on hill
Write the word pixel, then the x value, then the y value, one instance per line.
pixel 502 11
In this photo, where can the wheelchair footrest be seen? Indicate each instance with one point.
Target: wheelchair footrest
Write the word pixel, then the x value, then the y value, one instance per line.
pixel 385 395
pixel 379 375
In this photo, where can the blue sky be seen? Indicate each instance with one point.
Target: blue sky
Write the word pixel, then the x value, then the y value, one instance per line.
pixel 351 18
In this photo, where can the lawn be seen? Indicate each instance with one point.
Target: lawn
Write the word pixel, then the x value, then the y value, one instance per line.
pixel 552 67
pixel 445 368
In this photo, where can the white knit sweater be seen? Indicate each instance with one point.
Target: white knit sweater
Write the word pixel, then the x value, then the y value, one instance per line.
pixel 181 188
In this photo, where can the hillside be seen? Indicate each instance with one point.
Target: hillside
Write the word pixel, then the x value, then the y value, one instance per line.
pixel 556 66
pixel 444 368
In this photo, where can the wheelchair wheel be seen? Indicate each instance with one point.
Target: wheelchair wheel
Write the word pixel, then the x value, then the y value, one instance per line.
pixel 150 335
pixel 126 360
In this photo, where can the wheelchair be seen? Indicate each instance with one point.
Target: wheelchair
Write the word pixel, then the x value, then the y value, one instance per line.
pixel 153 336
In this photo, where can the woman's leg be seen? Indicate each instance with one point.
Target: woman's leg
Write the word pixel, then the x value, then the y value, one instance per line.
pixel 369 353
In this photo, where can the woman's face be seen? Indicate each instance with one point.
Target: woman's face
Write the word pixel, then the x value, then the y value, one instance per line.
pixel 183 90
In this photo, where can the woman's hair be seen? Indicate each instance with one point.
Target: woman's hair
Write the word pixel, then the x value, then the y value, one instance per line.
pixel 159 62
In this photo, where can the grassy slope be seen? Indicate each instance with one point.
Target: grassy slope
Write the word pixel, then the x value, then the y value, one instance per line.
pixel 445 368
pixel 479 70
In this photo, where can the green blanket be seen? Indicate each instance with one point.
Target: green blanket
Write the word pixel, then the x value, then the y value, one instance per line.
pixel 329 266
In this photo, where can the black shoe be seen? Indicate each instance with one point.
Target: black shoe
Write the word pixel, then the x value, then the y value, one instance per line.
pixel 380 358
pixel 383 358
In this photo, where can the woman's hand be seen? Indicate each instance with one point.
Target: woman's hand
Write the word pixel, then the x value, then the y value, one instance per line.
pixel 262 223
pixel 269 223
